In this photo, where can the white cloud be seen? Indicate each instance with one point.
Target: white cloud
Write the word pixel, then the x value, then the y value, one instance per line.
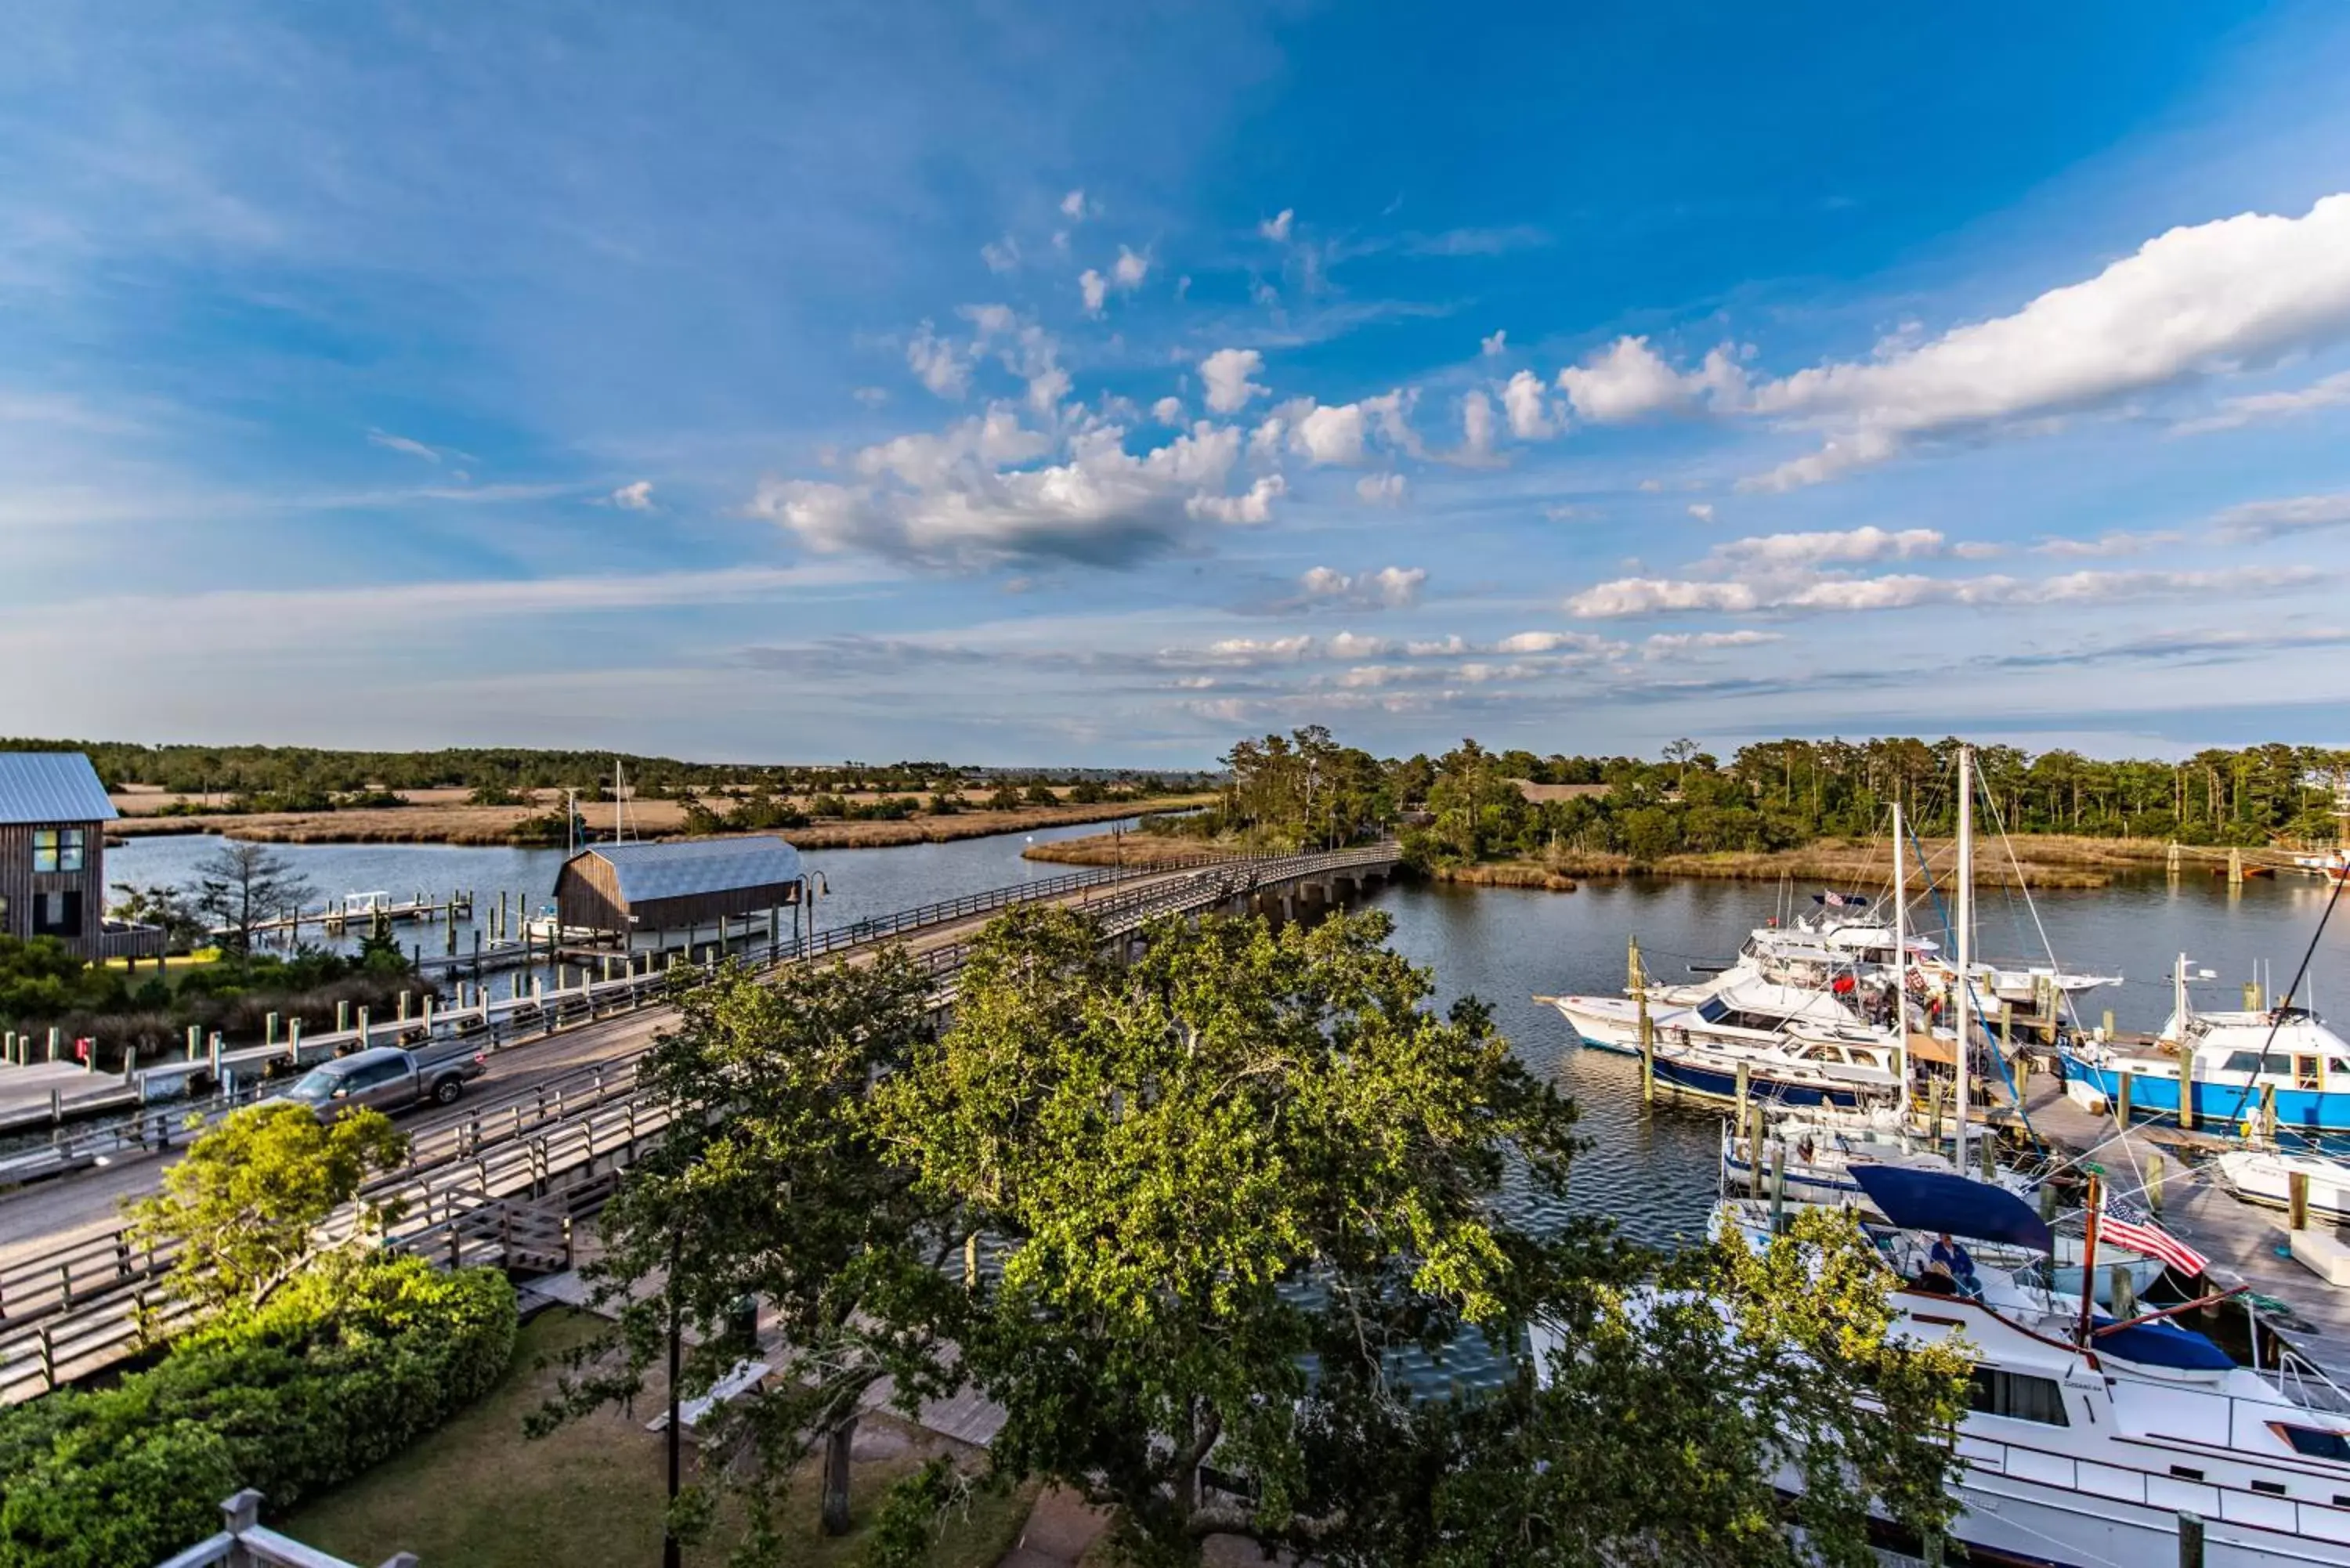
pixel 1702 510
pixel 1130 269
pixel 1001 255
pixel 1437 649
pixel 1529 413
pixel 1276 228
pixel 1845 547
pixel 1095 290
pixel 1389 587
pixel 1476 427
pixel 871 397
pixel 2112 542
pixel 1352 645
pixel 1813 592
pixel 1381 489
pixel 938 363
pixel 1330 434
pixel 2211 296
pixel 1073 206
pixel 1048 388
pixel 1544 642
pixel 401 443
pixel 1670 644
pixel 1226 373
pixel 1496 345
pixel 958 500
pixel 2258 521
pixel 636 497
pixel 1168 410
pixel 2332 392
pixel 1629 380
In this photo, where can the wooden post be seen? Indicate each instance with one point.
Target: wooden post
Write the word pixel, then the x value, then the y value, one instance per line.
pixel 195 1042
pixel 1934 1109
pixel 1989 1162
pixel 2190 1540
pixel 2296 1187
pixel 2122 1100
pixel 2235 867
pixel 1742 1096
pixel 342 1016
pixel 1779 1189
pixel 1647 1054
pixel 2187 1091
pixel 2105 1028
pixel 364 1040
pixel 2154 1184
pixel 2267 1112
pixel 2125 1293
pixel 269 1031
pixel 294 1039
pixel 2170 860
pixel 1754 1146
pixel 2048 1201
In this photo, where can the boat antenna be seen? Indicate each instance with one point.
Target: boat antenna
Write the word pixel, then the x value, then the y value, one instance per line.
pixel 2276 1014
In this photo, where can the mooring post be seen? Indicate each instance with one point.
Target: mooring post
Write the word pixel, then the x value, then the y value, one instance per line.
pixel 2122 1099
pixel 2297 1200
pixel 1779 1189
pixel 195 1042
pixel 1741 1098
pixel 342 1017
pixel 364 1042
pixel 2187 1091
pixel 1755 1146
pixel 2105 1028
pixel 2154 1184
pixel 294 1039
pixel 2267 1112
pixel 2235 867
pixel 2190 1540
pixel 2124 1292
pixel 269 1032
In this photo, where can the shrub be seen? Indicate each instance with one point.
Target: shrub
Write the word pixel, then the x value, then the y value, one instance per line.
pixel 342 1369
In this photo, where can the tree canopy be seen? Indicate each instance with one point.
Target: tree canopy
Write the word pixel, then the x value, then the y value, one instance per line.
pixel 1185 1217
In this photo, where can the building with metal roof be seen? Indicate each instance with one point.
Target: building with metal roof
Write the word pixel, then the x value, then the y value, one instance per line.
pixel 53 816
pixel 38 788
pixel 676 889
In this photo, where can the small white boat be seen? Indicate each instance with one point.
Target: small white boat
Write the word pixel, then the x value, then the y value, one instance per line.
pixel 2265 1176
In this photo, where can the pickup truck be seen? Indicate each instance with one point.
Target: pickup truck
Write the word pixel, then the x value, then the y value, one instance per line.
pixel 386 1078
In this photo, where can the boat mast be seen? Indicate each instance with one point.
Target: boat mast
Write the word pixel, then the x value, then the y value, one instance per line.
pixel 1966 921
pixel 619 826
pixel 1900 957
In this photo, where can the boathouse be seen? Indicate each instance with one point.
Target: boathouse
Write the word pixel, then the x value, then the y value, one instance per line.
pixel 53 817
pixel 675 890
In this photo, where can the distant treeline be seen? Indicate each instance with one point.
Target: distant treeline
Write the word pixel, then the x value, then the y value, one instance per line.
pixel 304 778
pixel 1467 805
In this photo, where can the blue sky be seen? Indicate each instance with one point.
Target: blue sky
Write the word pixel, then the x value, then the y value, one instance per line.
pixel 1098 384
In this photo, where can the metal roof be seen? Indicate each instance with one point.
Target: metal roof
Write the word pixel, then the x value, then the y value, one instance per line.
pixel 687 869
pixel 39 787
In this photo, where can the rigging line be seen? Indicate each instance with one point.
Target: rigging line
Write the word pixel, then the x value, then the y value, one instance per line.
pixel 2276 1016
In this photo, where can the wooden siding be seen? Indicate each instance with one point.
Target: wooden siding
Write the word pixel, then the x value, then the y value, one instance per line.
pixel 20 885
pixel 587 896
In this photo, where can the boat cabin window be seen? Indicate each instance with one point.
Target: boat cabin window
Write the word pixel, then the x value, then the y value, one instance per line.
pixel 2337 1067
pixel 2019 1396
pixel 1714 1010
pixel 2242 1061
pixel 2314 1441
pixel 2304 1072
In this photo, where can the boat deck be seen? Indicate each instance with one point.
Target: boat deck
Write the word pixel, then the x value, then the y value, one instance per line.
pixel 2244 1242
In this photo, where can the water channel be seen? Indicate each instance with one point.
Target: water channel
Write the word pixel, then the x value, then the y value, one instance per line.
pixel 1649 1167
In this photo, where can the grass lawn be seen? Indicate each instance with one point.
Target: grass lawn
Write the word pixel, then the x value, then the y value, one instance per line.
pixel 479 1494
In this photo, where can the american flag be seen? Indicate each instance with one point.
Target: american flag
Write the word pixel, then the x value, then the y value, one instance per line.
pixel 2155 1242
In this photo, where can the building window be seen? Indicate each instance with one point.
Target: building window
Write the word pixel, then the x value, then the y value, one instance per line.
pixel 57 848
pixel 2018 1396
pixel 57 914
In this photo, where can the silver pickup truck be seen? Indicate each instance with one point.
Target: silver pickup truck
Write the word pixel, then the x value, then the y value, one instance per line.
pixel 386 1078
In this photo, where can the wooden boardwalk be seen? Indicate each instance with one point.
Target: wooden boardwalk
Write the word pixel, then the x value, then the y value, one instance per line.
pixel 2242 1240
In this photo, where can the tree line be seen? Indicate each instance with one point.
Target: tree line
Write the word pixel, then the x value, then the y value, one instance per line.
pixel 1468 803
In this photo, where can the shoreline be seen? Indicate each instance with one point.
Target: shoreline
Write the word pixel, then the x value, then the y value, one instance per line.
pixel 493 827
pixel 2046 861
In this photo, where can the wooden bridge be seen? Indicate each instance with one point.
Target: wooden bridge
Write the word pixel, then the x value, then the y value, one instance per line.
pixel 497 1178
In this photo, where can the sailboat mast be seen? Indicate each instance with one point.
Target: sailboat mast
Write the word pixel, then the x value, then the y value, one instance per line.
pixel 1900 957
pixel 1966 920
pixel 619 822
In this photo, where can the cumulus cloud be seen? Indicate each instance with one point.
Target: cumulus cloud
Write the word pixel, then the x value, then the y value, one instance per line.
pixel 2211 296
pixel 1848 546
pixel 1130 269
pixel 1095 288
pixel 1001 255
pixel 1168 410
pixel 1276 228
pixel 636 497
pixel 1350 645
pixel 1629 380
pixel 1389 587
pixel 1673 644
pixel 1072 205
pixel 978 493
pixel 1812 592
pixel 1702 510
pixel 2112 542
pixel 1226 374
pixel 1530 418
pixel 1381 489
pixel 938 363
pixel 1495 345
pixel 1476 429
pixel 2332 392
pixel 2256 522
pixel 1330 433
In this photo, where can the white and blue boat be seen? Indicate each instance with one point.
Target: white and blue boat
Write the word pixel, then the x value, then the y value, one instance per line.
pixel 2228 1063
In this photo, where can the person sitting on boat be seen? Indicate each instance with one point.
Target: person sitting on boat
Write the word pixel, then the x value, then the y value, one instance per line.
pixel 1953 1258
pixel 1935 1280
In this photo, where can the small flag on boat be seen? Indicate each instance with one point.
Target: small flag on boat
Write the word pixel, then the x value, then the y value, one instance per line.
pixel 2155 1242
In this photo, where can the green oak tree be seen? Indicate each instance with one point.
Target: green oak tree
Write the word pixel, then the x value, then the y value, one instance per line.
pixel 772 1186
pixel 248 1205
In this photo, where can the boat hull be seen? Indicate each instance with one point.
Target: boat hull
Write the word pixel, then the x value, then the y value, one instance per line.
pixel 1721 1084
pixel 2154 1099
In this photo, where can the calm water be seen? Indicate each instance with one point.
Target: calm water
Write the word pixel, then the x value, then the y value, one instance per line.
pixel 1652 1169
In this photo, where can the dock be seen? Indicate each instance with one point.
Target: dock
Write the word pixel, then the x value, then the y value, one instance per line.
pixel 2247 1245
